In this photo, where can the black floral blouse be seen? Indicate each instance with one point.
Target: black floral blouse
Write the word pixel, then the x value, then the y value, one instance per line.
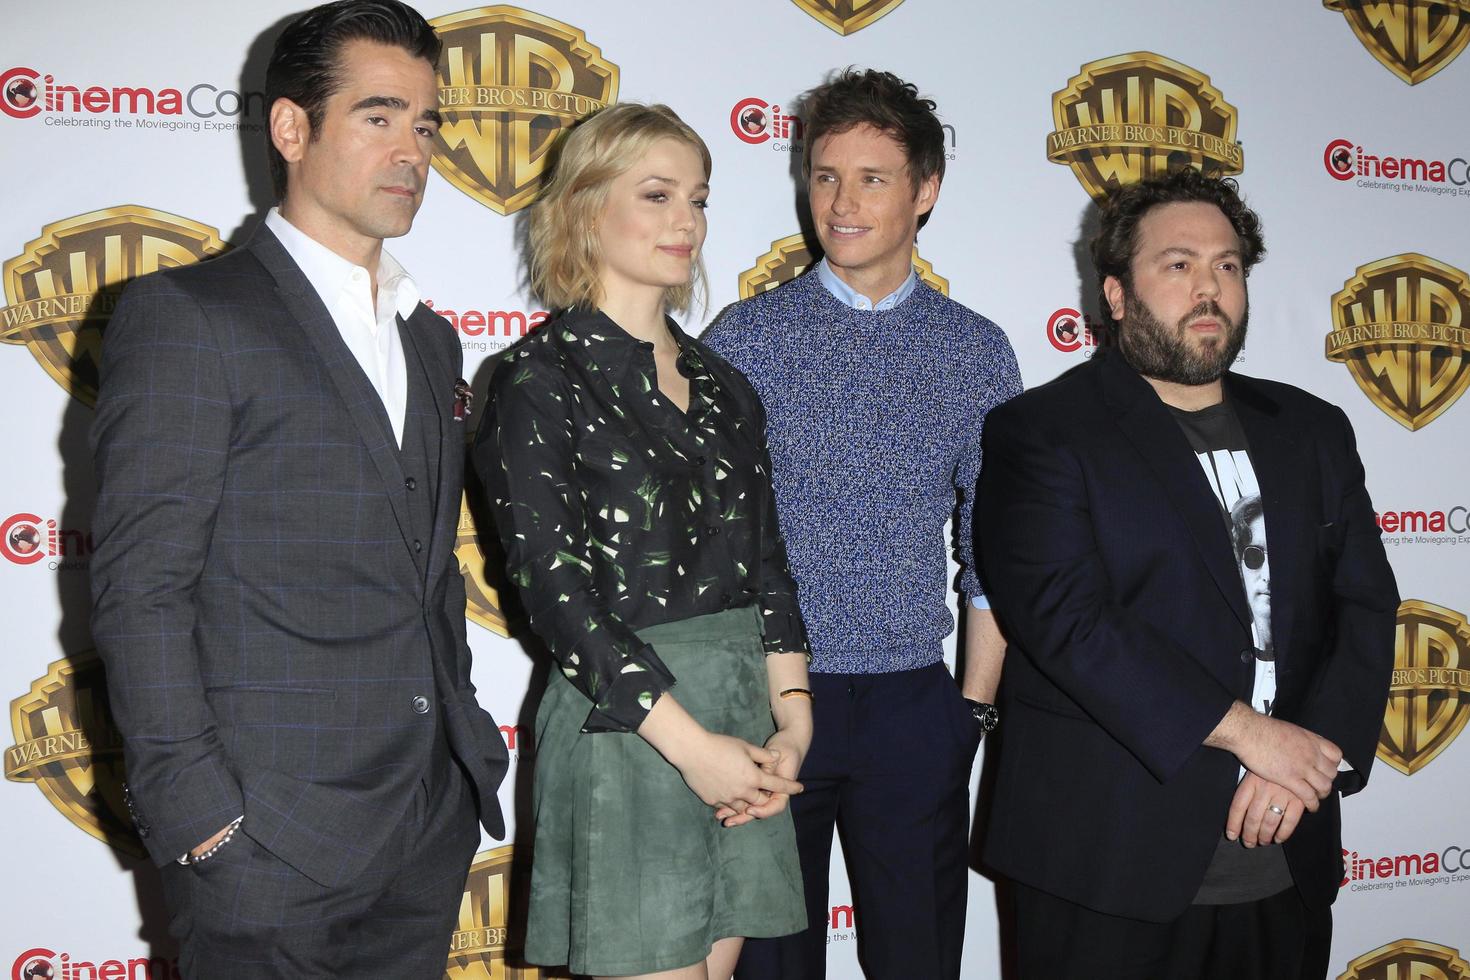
pixel 619 512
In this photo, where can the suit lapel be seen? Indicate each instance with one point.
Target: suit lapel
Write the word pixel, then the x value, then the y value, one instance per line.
pixel 1278 461
pixel 439 380
pixel 359 399
pixel 1146 423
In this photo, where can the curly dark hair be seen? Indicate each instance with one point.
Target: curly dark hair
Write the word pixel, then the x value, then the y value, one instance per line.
pixel 887 103
pixel 304 65
pixel 1116 241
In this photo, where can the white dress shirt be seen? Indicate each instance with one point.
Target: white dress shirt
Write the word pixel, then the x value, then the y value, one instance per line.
pixel 370 332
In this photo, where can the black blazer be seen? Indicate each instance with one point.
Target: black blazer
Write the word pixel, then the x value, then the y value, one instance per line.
pixel 1108 563
pixel 267 626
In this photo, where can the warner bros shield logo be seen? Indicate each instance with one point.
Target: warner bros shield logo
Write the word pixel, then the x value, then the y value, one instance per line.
pixel 1429 700
pixel 789 257
pixel 68 746
pixel 1402 327
pixel 848 16
pixel 1411 38
pixel 510 82
pixel 482 601
pixel 1132 116
pixel 64 285
pixel 478 948
pixel 1408 959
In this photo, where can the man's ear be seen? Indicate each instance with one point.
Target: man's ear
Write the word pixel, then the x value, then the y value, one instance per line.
pixel 290 130
pixel 928 194
pixel 1115 294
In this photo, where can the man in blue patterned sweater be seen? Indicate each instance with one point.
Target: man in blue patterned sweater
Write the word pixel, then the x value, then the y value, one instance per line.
pixel 875 387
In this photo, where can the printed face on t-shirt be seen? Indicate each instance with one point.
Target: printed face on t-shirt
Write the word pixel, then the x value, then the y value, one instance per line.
pixel 1255 572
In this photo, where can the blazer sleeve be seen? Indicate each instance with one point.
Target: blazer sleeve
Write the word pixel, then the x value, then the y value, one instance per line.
pixel 161 444
pixel 1038 541
pixel 1349 690
pixel 525 455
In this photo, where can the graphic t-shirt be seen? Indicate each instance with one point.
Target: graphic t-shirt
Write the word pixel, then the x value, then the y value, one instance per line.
pixel 1238 873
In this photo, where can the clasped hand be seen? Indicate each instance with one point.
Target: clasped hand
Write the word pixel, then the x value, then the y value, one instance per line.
pixel 742 781
pixel 789 749
pixel 1289 771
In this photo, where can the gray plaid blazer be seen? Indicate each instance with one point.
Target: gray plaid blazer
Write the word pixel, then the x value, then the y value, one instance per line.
pixel 275 644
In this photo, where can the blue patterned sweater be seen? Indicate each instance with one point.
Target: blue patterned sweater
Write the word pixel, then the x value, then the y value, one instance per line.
pixel 874 422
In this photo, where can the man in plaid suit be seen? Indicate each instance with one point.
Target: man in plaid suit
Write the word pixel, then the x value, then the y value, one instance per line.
pixel 280 448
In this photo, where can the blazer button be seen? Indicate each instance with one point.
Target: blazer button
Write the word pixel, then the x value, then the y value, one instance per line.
pixel 1246 656
pixel 411 483
pixel 420 705
pixel 418 545
pixel 725 599
pixel 712 530
pixel 138 822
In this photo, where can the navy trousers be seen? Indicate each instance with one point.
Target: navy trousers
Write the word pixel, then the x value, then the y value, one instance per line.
pixel 889 768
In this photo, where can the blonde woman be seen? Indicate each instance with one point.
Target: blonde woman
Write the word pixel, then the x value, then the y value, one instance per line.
pixel 627 468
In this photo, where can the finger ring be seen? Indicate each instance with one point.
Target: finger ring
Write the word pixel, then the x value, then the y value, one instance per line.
pixel 1276 810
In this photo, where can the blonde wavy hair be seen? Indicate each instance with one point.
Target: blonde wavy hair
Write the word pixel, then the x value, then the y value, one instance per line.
pixel 566 255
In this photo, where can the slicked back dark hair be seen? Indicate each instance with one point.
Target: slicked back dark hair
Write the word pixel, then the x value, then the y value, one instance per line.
pixel 305 66
pixel 1116 241
pixel 887 103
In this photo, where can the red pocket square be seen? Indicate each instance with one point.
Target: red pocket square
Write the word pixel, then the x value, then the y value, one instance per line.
pixel 463 397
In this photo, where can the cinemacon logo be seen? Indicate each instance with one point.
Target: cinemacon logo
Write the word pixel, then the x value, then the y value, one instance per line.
pixel 1456 520
pixel 1346 160
pixel 492 323
pixel 1070 330
pixel 26 539
pixel 1448 866
pixel 25 92
pixel 44 964
pixel 756 121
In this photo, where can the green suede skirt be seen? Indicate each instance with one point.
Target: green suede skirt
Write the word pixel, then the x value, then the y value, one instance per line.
pixel 631 873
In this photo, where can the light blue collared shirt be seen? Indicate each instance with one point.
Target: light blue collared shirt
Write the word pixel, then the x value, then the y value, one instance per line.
pixel 851 297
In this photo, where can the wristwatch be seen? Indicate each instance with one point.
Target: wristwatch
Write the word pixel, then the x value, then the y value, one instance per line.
pixel 987 716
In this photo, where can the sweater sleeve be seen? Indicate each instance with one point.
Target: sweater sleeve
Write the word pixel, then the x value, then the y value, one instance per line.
pixel 996 387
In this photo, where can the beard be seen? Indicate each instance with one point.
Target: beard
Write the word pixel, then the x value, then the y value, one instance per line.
pixel 1163 353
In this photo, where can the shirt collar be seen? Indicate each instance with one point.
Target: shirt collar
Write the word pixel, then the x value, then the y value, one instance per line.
pixel 586 328
pixel 848 296
pixel 330 274
pixel 592 326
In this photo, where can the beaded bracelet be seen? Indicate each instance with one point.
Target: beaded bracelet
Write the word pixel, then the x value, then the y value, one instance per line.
pixel 205 856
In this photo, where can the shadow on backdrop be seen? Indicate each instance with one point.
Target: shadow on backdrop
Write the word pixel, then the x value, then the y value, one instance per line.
pixel 1088 303
pixel 87 787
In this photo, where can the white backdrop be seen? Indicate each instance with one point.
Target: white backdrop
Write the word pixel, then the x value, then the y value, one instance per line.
pixel 1317 117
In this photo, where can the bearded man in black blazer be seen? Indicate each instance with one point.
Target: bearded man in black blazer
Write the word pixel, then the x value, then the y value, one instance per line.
pixel 280 449
pixel 1201 614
